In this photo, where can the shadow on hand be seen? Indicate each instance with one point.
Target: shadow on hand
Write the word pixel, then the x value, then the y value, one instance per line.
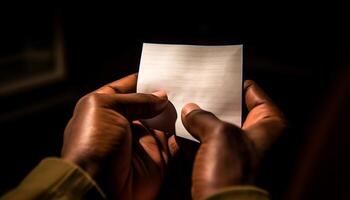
pixel 177 182
pixel 165 121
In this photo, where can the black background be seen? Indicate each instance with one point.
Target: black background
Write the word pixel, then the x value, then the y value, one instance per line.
pixel 293 53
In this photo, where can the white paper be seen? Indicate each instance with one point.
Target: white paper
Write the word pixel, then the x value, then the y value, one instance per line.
pixel 210 76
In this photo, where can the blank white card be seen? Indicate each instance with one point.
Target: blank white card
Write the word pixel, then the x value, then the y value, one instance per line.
pixel 210 76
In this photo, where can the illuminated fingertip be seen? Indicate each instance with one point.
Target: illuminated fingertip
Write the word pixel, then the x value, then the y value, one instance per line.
pixel 161 94
pixel 189 108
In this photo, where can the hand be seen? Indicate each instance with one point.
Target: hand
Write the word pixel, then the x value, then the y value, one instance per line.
pixel 229 155
pixel 102 138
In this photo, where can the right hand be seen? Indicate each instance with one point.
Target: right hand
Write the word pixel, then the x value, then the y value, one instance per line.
pixel 229 155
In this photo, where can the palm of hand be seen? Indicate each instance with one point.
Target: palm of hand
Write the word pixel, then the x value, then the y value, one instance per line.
pixel 143 174
pixel 149 161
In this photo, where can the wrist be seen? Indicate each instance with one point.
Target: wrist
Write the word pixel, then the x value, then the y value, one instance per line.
pixel 90 168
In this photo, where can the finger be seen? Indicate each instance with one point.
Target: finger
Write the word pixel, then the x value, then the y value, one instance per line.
pixel 254 95
pixel 159 138
pixel 163 141
pixel 265 122
pixel 186 148
pixel 199 123
pixel 139 106
pixel 173 146
pixel 260 103
pixel 123 85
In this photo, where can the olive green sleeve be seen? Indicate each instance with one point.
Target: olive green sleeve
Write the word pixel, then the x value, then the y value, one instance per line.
pixel 240 193
pixel 55 178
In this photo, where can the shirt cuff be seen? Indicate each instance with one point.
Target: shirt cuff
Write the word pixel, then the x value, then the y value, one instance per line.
pixel 241 193
pixel 55 178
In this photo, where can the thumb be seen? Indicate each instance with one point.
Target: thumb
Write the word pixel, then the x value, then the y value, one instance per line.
pixel 139 106
pixel 199 123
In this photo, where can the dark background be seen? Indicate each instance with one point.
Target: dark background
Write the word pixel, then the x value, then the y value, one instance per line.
pixel 294 55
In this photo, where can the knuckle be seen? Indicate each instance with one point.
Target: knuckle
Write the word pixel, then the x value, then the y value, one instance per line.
pixel 92 99
pixel 88 101
pixel 81 100
pixel 122 123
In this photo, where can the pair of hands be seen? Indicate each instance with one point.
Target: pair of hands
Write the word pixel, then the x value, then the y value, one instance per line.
pixel 105 138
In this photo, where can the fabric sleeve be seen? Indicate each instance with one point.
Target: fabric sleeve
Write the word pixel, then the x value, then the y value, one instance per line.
pixel 240 193
pixel 55 178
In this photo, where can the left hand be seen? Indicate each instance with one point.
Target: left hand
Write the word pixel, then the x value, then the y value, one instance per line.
pixel 103 137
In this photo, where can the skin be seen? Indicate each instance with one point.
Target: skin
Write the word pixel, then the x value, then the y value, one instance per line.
pixel 229 155
pixel 105 138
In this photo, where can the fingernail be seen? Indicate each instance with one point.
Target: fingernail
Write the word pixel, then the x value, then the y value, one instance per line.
pixel 189 108
pixel 161 94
